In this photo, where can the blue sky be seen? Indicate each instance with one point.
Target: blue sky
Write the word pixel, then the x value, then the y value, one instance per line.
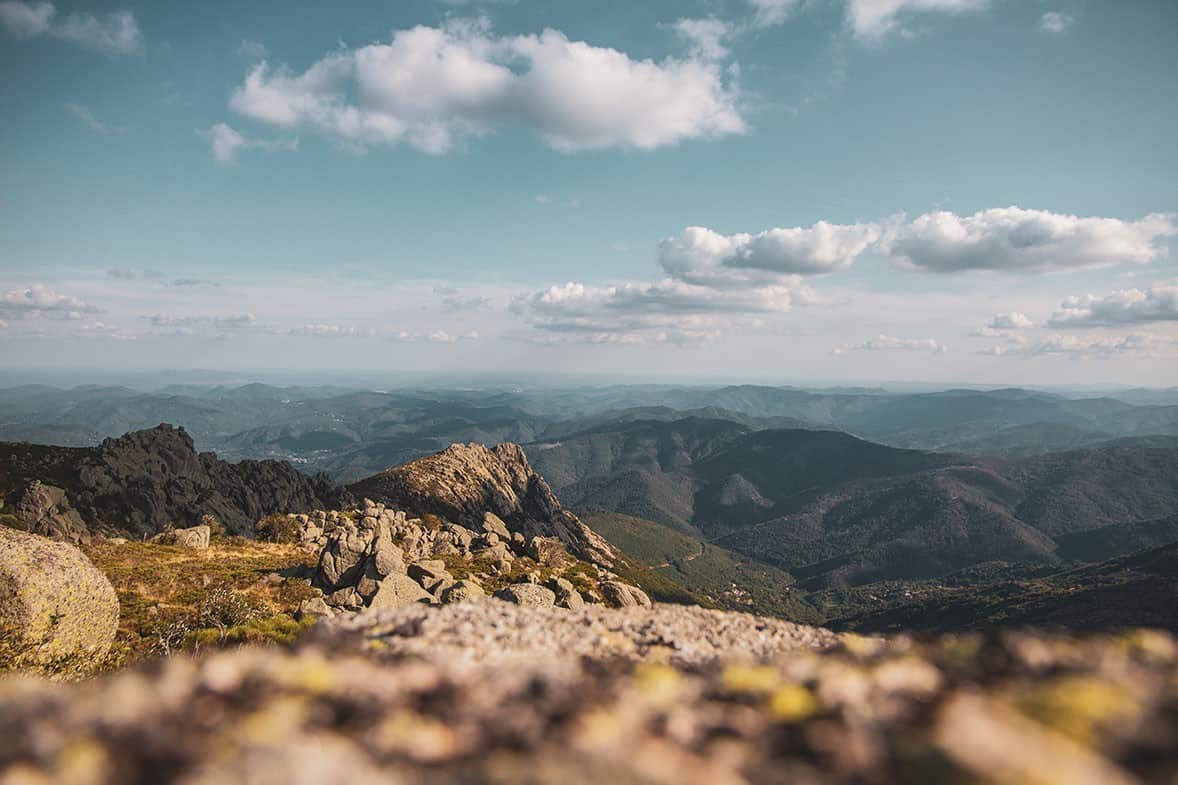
pixel 939 190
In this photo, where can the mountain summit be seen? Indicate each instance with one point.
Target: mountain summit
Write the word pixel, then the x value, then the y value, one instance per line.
pixel 465 481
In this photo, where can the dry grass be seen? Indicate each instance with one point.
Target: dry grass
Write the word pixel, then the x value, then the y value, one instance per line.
pixel 163 594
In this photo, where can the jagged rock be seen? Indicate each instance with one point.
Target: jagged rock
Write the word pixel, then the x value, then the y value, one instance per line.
pixel 548 551
pixel 481 488
pixel 195 537
pixel 54 604
pixel 623 595
pixel 397 590
pixel 430 574
pixel 46 510
pixel 141 483
pixel 528 594
pixel 463 591
pixel 493 524
pixel 566 595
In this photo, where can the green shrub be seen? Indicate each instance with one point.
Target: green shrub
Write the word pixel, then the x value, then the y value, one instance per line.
pixel 279 528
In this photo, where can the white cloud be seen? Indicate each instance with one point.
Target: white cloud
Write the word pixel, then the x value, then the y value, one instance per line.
pixel 1055 23
pixel 436 336
pixel 706 37
pixel 117 33
pixel 874 20
pixel 330 331
pixel 252 50
pixel 1158 303
pixel 1016 240
pixel 232 322
pixel 430 87
pixel 769 13
pixel 40 300
pixel 1012 320
pixel 88 118
pixel 225 142
pixel 636 312
pixel 884 343
pixel 26 19
pixel 701 256
pixel 1070 344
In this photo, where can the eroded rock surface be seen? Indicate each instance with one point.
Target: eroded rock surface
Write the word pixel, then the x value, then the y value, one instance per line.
pixel 466 481
pixel 56 608
pixel 1004 710
pixel 46 510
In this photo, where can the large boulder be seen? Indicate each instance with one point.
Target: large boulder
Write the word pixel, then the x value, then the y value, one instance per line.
pixel 55 606
pixel 194 537
pixel 399 589
pixel 623 595
pixel 527 594
pixel 46 510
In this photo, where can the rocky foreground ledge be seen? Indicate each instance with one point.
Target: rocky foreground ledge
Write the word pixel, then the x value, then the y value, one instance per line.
pixel 490 692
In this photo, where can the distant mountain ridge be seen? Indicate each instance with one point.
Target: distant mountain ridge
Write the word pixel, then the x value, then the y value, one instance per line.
pixel 833 509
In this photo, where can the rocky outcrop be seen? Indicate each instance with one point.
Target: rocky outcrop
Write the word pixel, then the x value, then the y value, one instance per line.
pixel 149 481
pixel 56 609
pixel 465 482
pixel 195 537
pixel 46 510
pixel 373 556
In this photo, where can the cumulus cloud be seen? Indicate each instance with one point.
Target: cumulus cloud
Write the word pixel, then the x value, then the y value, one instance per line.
pixel 115 34
pixel 884 343
pixel 430 87
pixel 39 300
pixel 1158 303
pixel 1012 320
pixel 1016 240
pixel 874 20
pixel 701 256
pixel 225 142
pixel 1055 23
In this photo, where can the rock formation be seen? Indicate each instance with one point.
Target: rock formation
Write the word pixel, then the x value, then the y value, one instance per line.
pixel 46 510
pixel 149 481
pixel 193 537
pixel 373 556
pixel 464 482
pixel 56 609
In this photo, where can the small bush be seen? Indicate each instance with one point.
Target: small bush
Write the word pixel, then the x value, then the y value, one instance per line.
pixel 279 528
pixel 223 607
pixel 217 529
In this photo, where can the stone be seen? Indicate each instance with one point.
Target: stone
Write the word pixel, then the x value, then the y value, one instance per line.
pixel 528 594
pixel 45 510
pixel 493 524
pixel 195 537
pixel 314 608
pixel 463 591
pixel 566 595
pixel 623 595
pixel 54 604
pixel 547 551
pixel 397 590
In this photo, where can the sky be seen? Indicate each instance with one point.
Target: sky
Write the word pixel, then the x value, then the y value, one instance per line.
pixel 974 191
